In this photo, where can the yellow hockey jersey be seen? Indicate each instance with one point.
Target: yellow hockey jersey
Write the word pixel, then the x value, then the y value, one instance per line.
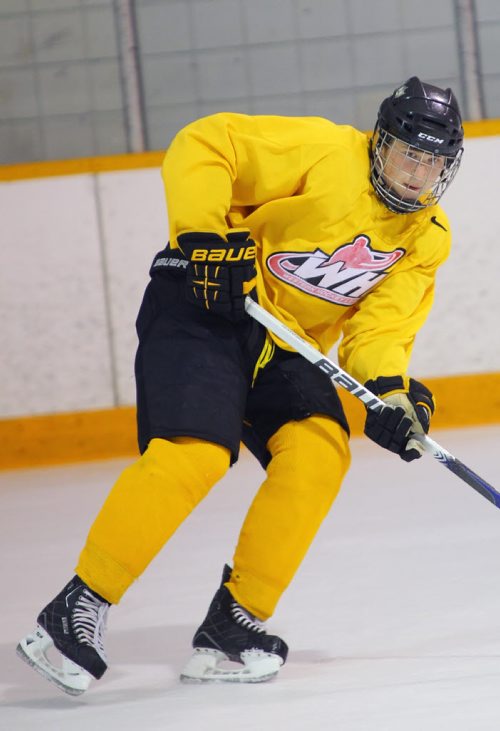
pixel 332 260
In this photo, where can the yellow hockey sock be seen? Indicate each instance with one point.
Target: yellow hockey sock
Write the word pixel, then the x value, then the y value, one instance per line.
pixel 309 461
pixel 144 508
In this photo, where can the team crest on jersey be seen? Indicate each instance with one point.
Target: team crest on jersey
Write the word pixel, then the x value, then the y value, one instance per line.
pixel 342 277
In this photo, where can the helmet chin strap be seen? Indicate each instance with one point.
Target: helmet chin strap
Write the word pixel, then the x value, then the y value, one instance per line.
pixel 395 203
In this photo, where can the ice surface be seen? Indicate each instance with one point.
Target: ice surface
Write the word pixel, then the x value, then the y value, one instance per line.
pixel 392 619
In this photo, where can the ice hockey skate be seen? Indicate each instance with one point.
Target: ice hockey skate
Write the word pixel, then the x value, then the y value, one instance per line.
pixel 72 625
pixel 230 634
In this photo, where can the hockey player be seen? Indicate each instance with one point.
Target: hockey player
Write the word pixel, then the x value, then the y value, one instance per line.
pixel 338 235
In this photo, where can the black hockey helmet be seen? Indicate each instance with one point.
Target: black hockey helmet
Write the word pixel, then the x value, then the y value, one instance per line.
pixel 416 148
pixel 424 116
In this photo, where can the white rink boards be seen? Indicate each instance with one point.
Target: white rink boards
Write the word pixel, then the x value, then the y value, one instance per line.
pixel 392 620
pixel 77 267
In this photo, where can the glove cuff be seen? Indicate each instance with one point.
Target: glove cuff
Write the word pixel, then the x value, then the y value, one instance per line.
pixel 388 385
pixel 419 395
pixel 422 396
pixel 190 240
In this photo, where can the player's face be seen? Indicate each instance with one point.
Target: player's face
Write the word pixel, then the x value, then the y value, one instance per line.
pixel 410 172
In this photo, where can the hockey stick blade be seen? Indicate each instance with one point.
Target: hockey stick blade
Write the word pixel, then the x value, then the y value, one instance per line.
pixel 343 379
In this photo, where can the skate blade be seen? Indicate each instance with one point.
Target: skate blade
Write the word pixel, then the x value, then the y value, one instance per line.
pixel 204 667
pixel 70 678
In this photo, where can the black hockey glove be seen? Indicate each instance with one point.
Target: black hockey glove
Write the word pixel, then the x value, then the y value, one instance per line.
pixel 220 272
pixel 410 406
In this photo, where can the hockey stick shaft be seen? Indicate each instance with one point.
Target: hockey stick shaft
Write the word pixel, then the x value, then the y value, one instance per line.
pixel 343 379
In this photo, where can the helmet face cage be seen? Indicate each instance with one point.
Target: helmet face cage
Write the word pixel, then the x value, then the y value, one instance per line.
pixel 407 178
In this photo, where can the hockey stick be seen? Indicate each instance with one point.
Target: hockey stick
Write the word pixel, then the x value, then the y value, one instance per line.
pixel 341 378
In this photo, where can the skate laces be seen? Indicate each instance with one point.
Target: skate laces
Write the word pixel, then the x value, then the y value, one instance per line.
pixel 245 619
pixel 89 622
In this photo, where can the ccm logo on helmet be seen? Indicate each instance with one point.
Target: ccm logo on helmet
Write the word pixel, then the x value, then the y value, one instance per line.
pixel 423 136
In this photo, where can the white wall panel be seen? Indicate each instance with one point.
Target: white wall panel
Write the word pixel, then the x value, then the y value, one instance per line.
pixel 55 312
pixel 462 334
pixel 134 228
pixel 54 346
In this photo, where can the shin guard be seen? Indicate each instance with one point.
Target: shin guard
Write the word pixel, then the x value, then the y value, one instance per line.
pixel 309 461
pixel 145 507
